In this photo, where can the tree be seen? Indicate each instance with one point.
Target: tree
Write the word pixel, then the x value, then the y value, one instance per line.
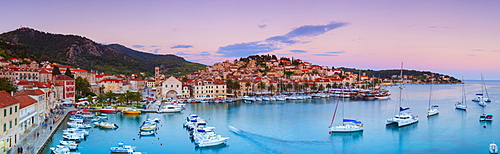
pixel 6 85
pixel 110 96
pixel 321 87
pixel 296 87
pixel 101 97
pixel 261 85
pixel 68 73
pixel 90 99
pixel 314 86
pixel 82 86
pixel 56 71
pixel 247 86
pixel 271 87
pixel 289 86
pixel 328 86
pixel 288 74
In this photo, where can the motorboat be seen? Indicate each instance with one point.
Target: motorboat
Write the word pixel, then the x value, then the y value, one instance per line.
pixel 78 124
pixel 107 125
pixel 70 144
pixel 146 133
pixel 74 137
pixel 121 148
pixel 493 148
pixel 61 149
pixel 382 96
pixel 169 109
pixel 108 109
pixel 207 141
pixel 131 111
pixel 486 117
pixel 148 125
pixel 75 130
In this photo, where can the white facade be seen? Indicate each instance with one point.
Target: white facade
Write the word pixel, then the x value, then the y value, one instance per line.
pixel 171 88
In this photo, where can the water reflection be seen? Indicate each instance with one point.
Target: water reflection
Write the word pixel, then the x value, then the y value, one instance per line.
pixel 215 149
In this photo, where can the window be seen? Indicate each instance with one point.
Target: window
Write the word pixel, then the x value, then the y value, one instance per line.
pixel 15 109
pixel 15 121
pixel 5 127
pixel 10 110
pixel 4 112
pixel 10 124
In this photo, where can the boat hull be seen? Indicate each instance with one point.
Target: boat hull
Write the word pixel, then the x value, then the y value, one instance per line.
pixel 346 129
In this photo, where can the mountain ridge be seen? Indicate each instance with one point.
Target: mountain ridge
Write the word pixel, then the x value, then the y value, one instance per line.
pixel 81 52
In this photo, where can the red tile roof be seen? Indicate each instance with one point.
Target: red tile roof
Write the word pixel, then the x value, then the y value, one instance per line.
pixel 29 92
pixel 7 99
pixel 62 77
pixel 25 100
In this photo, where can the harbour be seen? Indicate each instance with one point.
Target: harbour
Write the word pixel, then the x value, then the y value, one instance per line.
pixel 301 126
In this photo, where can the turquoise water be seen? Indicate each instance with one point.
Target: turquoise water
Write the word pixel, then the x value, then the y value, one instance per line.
pixel 301 126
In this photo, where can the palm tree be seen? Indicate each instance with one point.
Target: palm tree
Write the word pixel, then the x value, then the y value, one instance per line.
pixel 289 86
pixel 305 85
pixel 271 88
pixel 314 86
pixel 261 86
pixel 321 87
pixel 247 86
pixel 110 96
pixel 296 87
pixel 101 98
pixel 328 86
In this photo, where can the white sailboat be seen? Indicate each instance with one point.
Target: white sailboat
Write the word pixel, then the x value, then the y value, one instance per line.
pixel 462 105
pixel 403 117
pixel 481 98
pixel 348 125
pixel 433 109
pixel 493 148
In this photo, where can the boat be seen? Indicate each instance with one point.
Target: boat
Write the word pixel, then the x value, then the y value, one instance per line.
pixel 108 109
pixel 70 144
pixel 168 108
pixel 348 125
pixel 382 96
pixel 60 149
pixel 131 111
pixel 75 130
pixel 146 133
pixel 433 109
pixel 462 105
pixel 121 148
pixel 493 148
pixel 78 124
pixel 486 117
pixel 480 96
pixel 74 137
pixel 207 141
pixel 107 125
pixel 148 125
pixel 404 117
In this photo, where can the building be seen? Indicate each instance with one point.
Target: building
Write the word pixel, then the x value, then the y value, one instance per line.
pixel 42 107
pixel 28 112
pixel 9 113
pixel 68 85
pixel 171 88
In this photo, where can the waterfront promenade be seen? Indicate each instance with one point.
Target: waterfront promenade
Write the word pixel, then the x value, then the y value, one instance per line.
pixel 38 136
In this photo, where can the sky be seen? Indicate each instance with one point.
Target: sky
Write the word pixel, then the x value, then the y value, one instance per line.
pixel 456 38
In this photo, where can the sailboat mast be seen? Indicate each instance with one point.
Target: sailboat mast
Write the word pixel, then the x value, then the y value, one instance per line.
pixel 400 90
pixel 430 96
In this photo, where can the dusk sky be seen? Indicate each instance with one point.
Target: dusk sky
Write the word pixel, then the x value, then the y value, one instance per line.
pixel 457 38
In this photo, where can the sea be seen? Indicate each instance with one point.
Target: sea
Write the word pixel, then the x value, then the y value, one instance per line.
pixel 301 126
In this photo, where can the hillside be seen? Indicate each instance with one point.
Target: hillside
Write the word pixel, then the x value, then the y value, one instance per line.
pixel 81 52
pixel 169 64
